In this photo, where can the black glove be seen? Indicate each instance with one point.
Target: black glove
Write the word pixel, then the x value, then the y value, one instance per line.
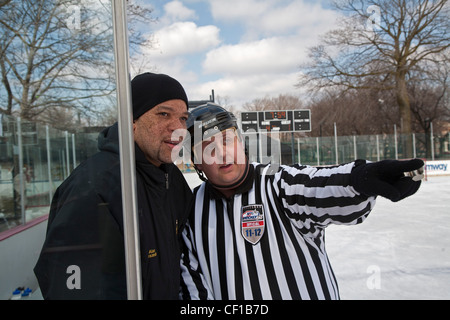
pixel 386 178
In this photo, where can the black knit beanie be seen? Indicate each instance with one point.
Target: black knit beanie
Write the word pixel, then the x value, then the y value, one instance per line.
pixel 150 89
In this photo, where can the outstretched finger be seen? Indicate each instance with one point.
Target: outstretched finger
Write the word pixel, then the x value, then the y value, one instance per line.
pixel 399 167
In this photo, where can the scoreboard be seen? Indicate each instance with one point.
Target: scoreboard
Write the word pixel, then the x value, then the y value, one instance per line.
pixel 279 120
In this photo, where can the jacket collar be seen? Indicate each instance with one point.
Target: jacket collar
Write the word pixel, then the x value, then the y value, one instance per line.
pixel 152 174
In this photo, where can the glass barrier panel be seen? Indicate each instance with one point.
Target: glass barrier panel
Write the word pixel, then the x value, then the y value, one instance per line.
pixel 10 211
pixel 74 249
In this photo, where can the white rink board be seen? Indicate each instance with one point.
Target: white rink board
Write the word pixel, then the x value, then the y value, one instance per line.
pixel 438 168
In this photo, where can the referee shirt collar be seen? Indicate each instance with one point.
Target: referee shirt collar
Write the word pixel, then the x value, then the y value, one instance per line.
pixel 246 185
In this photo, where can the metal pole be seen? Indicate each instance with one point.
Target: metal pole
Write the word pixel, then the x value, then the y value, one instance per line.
pixel 74 153
pixel 378 148
pixel 336 143
pixel 395 141
pixel 432 141
pixel 67 153
pixel 279 146
pixel 318 151
pixel 49 164
pixel 292 147
pixel 414 145
pixel 354 147
pixel 21 175
pixel 127 157
pixel 260 137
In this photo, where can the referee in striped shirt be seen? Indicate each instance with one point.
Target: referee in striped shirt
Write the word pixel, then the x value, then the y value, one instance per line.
pixel 258 231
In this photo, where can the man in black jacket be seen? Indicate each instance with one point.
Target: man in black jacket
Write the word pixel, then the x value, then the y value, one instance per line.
pixel 83 254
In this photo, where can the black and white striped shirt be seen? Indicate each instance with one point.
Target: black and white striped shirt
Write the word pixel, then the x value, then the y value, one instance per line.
pixel 289 260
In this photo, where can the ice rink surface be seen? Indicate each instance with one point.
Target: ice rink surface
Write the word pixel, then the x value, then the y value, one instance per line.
pixel 401 251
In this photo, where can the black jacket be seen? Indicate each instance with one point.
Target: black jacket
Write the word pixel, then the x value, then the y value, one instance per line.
pixel 85 229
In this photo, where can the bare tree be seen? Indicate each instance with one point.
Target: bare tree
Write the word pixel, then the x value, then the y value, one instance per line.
pixel 282 102
pixel 430 101
pixel 58 54
pixel 378 45
pixel 362 112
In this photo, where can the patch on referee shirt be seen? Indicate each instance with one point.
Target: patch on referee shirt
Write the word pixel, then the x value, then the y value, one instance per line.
pixel 252 223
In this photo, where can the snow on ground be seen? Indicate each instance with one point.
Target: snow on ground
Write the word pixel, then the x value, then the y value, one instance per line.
pixel 401 251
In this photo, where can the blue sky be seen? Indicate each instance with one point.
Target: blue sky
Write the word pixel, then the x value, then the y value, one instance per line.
pixel 243 49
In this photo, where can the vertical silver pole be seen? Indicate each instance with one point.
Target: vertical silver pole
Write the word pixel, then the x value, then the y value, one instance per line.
pixel 395 141
pixel 67 153
pixel 378 148
pixel 49 164
pixel 259 136
pixel 354 147
pixel 298 145
pixel 414 145
pixel 432 140
pixel 336 143
pixel 21 176
pixel 74 153
pixel 279 145
pixel 63 162
pixel 318 151
pixel 127 157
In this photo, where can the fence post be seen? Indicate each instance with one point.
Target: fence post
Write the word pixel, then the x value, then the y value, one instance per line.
pixel 74 158
pixel 49 164
pixel 21 175
pixel 318 151
pixel 66 134
pixel 432 140
pixel 395 142
pixel 292 148
pixel 336 143
pixel 378 148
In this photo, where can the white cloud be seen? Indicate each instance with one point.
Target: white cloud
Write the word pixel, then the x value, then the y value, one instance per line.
pixel 297 15
pixel 272 55
pixel 272 17
pixel 238 10
pixel 176 11
pixel 273 39
pixel 242 89
pixel 183 38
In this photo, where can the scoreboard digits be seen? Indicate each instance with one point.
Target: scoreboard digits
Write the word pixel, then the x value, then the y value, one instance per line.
pixel 270 115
